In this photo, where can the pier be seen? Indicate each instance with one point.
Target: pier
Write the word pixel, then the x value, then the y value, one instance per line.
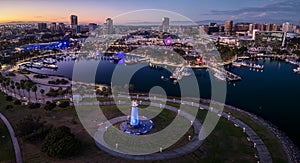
pixel 229 76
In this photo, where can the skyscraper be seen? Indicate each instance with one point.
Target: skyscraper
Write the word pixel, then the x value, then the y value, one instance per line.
pixel 165 24
pixel 42 26
pixel 228 27
pixel 109 26
pixel 74 24
pixel 53 27
pixel 92 27
pixel 61 28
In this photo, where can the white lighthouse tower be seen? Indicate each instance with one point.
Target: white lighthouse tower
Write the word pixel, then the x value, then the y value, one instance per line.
pixel 134 119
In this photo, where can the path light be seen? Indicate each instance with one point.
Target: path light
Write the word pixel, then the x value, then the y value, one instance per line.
pixel 117 145
pixel 178 111
pixel 173 100
pixel 254 145
pixel 189 137
pixel 160 149
pixel 244 129
pixel 192 122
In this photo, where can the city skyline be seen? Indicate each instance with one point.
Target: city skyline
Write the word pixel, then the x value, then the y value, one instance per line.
pixel 97 12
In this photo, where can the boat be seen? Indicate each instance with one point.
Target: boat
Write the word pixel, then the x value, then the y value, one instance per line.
pixel 49 61
pixel 52 66
pixel 220 76
pixel 236 64
pixel 296 70
pixel 37 65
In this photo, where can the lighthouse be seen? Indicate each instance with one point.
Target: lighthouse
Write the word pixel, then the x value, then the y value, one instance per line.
pixel 134 119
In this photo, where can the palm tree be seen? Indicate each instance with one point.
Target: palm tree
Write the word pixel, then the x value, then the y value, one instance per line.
pixel 34 89
pixel 22 84
pixel 28 88
pixel 42 91
pixel 12 86
pixel 18 86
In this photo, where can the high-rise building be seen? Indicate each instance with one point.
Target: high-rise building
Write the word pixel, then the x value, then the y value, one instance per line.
pixel 42 26
pixel 53 27
pixel 165 24
pixel 92 27
pixel 74 24
pixel 275 27
pixel 228 27
pixel 61 28
pixel 287 27
pixel 241 27
pixel 108 26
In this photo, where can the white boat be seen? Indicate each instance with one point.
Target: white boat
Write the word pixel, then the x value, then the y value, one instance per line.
pixel 236 64
pixel 220 76
pixel 37 65
pixel 296 70
pixel 49 61
pixel 52 66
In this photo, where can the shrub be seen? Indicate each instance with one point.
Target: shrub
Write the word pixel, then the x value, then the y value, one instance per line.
pixel 8 107
pixel 9 98
pixel 64 104
pixel 60 143
pixel 34 106
pixel 50 105
pixel 17 102
pixel 32 129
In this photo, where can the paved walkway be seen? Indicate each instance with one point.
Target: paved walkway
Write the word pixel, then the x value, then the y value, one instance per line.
pixel 13 138
pixel 193 144
pixel 263 153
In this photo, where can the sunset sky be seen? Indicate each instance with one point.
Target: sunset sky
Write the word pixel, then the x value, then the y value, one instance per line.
pixel 98 10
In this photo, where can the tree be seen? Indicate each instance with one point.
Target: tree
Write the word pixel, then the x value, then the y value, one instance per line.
pixel 32 129
pixel 42 91
pixel 18 86
pixel 34 89
pixel 60 143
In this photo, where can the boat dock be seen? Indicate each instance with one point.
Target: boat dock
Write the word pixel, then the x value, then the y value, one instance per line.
pixel 254 66
pixel 229 76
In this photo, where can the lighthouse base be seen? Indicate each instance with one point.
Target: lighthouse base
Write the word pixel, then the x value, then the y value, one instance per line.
pixel 143 127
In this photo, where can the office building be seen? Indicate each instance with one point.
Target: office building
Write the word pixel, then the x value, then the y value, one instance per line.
pixel 165 24
pixel 74 24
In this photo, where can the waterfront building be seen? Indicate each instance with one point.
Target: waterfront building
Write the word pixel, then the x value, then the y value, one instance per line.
pixel 266 38
pixel 74 24
pixel 287 27
pixel 165 24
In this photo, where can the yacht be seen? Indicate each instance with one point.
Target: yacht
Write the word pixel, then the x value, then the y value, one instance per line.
pixel 296 70
pixel 236 64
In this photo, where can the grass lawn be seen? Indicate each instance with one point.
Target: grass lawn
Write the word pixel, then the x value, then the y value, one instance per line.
pixel 227 143
pixel 7 153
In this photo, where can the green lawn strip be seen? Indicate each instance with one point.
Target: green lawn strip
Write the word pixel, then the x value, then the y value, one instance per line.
pixel 7 153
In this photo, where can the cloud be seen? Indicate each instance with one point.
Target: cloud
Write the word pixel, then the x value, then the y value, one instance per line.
pixel 288 9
